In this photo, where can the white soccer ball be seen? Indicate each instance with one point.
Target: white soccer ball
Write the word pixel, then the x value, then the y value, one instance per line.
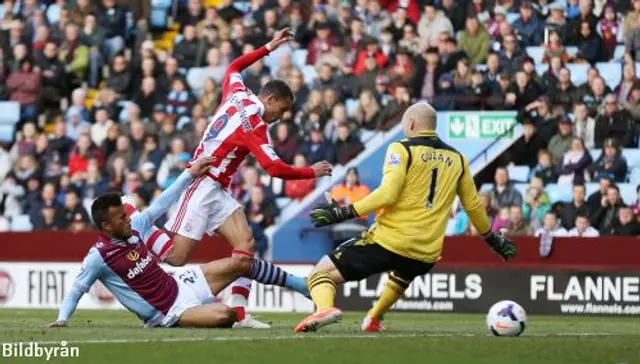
pixel 506 318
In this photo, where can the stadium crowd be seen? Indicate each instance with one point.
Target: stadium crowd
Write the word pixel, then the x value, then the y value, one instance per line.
pixel 106 104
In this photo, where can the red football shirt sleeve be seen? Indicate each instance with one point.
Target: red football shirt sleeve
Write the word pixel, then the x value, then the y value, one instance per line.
pixel 232 75
pixel 258 143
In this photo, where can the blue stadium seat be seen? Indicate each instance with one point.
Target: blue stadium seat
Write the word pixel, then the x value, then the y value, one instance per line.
pixel 481 67
pixel 541 68
pixel 519 173
pixel 591 189
pixel 21 223
pixel 522 188
pixel 351 105
pixel 9 117
pixel 628 192
pixel 536 53
pixel 618 54
pixel 634 176
pixel 309 73
pixel 572 51
pixel 595 153
pixel 300 57
pixel 637 68
pixel 486 187
pixel 633 157
pixel 578 73
pixel 611 72
pixel 451 227
pixel 559 192
pixel 512 17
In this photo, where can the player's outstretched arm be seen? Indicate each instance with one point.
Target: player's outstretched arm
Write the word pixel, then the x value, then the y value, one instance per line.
pixel 171 195
pixel 90 272
pixel 470 200
pixel 244 61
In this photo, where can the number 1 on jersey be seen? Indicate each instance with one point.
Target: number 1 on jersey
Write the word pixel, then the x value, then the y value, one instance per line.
pixel 432 188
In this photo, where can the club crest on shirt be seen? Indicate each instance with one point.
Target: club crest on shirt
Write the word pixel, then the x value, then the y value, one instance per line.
pixel 187 227
pixel 394 159
pixel 133 255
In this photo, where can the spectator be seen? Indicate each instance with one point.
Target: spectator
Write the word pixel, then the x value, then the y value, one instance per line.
pixel 348 146
pixel 299 189
pixel 194 13
pixel 555 49
pixel 561 142
pixel 75 124
pixel 317 148
pixel 80 156
pixel 260 210
pixel 120 77
pixel 528 27
pixel 285 144
pixel 24 86
pixel 577 207
pixel 584 125
pixel 626 224
pixel 550 227
pixel 475 40
pixel 179 100
pixel 95 184
pixel 503 194
pixel 605 216
pixel 622 92
pixel 93 37
pixel 371 51
pixel 350 190
pixel 61 144
pixel 11 195
pixel 517 225
pixel 395 108
pixel 112 20
pixel 501 221
pixel 511 55
pixel 595 198
pixel 611 164
pixel 613 122
pixel 148 177
pixel 367 112
pixel 563 92
pixel 610 31
pixel 49 217
pixel 585 15
pixel 79 12
pixel 525 150
pixel 574 164
pixel 404 68
pixel 147 97
pixel 583 228
pixel 170 160
pixel 633 105
pixel 73 211
pixel 197 77
pixel 589 45
pixel 74 55
pixel 631 20
pixel 150 152
pixel 522 92
pixel 432 23
pixel 455 12
pixel 78 102
pixel 300 90
pixel 594 95
pixel 321 43
pixel 535 207
pixel 186 50
pixel 429 70
pixel 101 126
pixel 45 196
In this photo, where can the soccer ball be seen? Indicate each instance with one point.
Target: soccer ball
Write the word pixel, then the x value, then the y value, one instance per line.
pixel 506 318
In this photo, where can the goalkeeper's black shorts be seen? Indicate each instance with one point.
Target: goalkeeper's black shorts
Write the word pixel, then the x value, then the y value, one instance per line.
pixel 357 259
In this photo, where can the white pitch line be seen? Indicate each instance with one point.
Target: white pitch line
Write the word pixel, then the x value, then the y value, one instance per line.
pixel 306 337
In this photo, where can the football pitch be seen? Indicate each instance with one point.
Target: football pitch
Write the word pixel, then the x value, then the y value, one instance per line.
pixel 117 337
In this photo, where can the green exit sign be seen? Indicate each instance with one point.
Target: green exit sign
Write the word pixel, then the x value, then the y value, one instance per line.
pixel 479 125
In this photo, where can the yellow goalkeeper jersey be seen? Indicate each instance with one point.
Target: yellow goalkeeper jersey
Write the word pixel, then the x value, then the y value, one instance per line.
pixel 421 177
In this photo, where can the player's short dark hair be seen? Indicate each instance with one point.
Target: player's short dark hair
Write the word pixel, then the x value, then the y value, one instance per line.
pixel 100 207
pixel 277 88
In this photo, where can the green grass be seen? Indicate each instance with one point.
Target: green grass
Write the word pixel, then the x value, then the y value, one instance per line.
pixel 414 338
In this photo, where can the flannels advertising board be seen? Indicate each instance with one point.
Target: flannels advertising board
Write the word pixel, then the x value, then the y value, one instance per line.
pixel 540 292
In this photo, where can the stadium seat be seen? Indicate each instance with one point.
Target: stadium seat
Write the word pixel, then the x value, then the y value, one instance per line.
pixel 628 192
pixel 451 227
pixel 522 188
pixel 309 73
pixel 591 189
pixel 512 17
pixel 486 187
pixel 618 54
pixel 559 192
pixel 300 57
pixel 572 51
pixel 611 72
pixel 541 68
pixel 9 117
pixel 632 156
pixel 536 53
pixel 21 223
pixel 634 175
pixel 519 173
pixel 351 105
pixel 637 68
pixel 578 73
pixel 595 154
pixel 481 67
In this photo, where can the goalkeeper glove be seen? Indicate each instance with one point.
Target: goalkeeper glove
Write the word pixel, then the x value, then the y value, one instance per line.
pixel 331 213
pixel 501 245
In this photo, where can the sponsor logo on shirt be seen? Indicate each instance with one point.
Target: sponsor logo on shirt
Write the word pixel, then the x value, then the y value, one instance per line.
pixel 394 159
pixel 140 266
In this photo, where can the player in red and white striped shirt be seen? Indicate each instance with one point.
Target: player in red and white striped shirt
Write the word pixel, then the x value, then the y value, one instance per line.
pixel 239 127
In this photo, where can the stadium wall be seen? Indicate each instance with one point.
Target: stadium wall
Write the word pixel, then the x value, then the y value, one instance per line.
pixel 581 277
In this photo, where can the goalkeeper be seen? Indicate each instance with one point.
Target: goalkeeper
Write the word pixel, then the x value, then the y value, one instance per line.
pixel 421 177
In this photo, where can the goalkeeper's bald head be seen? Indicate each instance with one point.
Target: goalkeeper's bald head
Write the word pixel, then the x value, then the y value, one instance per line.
pixel 419 117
